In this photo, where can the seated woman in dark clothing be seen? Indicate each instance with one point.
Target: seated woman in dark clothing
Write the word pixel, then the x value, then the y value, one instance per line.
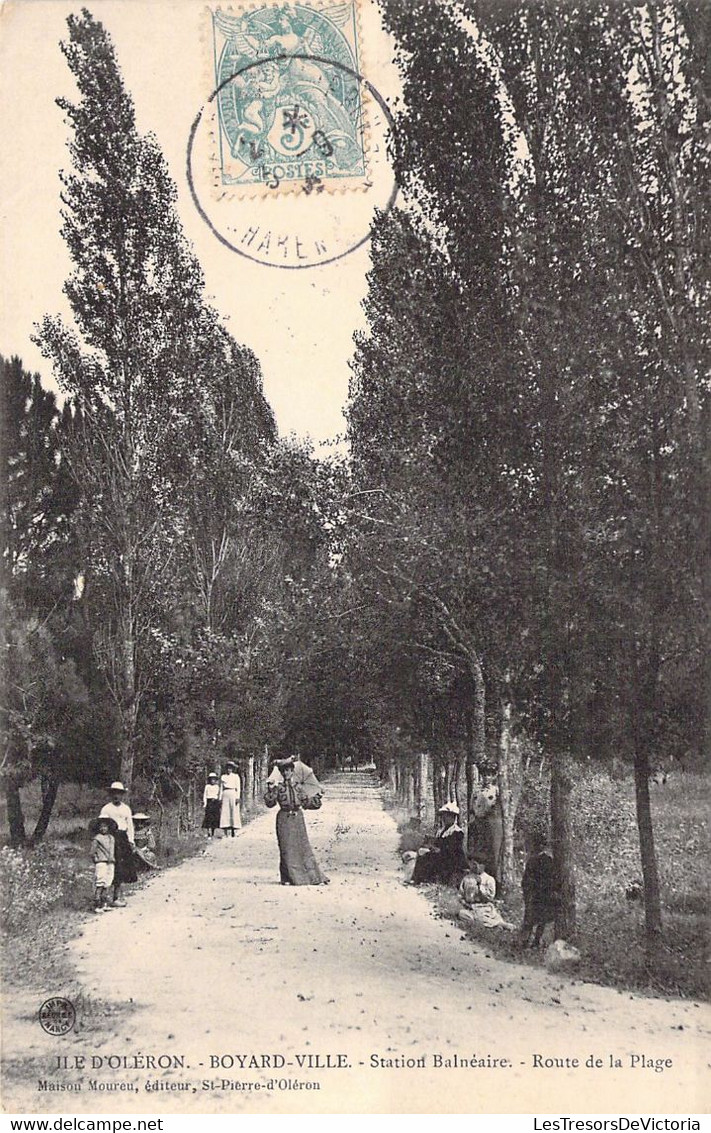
pixel 444 860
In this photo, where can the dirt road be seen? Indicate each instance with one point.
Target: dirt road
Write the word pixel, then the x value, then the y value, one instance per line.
pixel 247 996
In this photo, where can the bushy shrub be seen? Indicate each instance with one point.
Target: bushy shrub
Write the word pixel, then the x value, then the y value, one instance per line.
pixel 25 883
pixel 35 879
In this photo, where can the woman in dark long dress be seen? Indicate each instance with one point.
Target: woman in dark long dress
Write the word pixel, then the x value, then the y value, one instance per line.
pixel 294 788
pixel 444 860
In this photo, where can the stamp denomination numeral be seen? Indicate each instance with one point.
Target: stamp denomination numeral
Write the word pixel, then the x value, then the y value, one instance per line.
pixel 322 143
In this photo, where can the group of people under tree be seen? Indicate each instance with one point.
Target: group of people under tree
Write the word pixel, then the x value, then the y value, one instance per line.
pixel 123 845
pixel 221 800
pixel 293 787
pixel 447 857
pixel 444 859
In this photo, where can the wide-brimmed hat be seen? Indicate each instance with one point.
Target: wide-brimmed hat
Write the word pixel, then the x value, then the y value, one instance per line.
pixel 230 763
pixel 117 785
pixel 288 762
pixel 94 824
pixel 141 817
pixel 212 775
pixel 449 808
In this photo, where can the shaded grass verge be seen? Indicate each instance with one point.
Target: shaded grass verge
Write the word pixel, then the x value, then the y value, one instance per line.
pixel 610 929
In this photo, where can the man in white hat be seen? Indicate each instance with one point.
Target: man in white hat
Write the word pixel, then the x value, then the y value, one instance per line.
pixel 125 840
pixel 444 860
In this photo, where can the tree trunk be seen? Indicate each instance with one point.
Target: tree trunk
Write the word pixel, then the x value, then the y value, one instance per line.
pixel 561 790
pixel 495 825
pixel 391 775
pixel 509 779
pixel 476 753
pixel 493 723
pixel 261 773
pixel 15 817
pixel 128 702
pixel 650 876
pixel 423 764
pixel 410 784
pixel 439 777
pixel 128 715
pixel 704 527
pixel 50 789
pixel 461 791
pixel 705 745
pixel 248 793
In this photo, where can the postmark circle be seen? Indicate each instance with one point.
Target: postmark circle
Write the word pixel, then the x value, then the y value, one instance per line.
pixel 57 1015
pixel 293 147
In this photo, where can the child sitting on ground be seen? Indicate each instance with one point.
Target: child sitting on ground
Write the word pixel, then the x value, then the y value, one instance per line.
pixel 477 892
pixel 103 857
pixel 145 852
pixel 477 887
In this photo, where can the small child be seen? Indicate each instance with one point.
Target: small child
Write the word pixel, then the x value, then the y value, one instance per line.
pixel 212 803
pixel 477 887
pixel 145 853
pixel 103 856
pixel 539 891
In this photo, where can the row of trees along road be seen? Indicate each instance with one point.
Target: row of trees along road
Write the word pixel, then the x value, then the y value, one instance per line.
pixel 516 549
pixel 155 531
pixel 530 417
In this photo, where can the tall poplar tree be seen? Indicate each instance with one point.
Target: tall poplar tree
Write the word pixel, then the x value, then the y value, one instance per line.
pixel 129 364
pixel 567 390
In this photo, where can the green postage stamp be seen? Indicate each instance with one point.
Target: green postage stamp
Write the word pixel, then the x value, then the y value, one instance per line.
pixel 290 104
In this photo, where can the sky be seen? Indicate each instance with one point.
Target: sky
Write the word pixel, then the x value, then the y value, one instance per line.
pixel 300 324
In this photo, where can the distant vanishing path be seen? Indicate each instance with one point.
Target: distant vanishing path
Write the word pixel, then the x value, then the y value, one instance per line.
pixel 221 961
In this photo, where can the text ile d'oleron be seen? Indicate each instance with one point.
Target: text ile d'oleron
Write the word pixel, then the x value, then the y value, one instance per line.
pixel 376 1061
pixel 84 1072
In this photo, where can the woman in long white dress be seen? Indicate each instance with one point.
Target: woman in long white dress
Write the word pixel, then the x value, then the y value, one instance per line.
pixel 231 787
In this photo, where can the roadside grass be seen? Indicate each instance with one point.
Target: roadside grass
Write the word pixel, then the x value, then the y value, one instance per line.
pixel 46 892
pixel 610 929
pixel 46 899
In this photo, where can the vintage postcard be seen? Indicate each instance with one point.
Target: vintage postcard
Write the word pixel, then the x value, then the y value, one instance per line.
pixel 355 557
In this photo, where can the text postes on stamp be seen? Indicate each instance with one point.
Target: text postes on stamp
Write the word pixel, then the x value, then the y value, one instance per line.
pixel 292 155
pixel 290 106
